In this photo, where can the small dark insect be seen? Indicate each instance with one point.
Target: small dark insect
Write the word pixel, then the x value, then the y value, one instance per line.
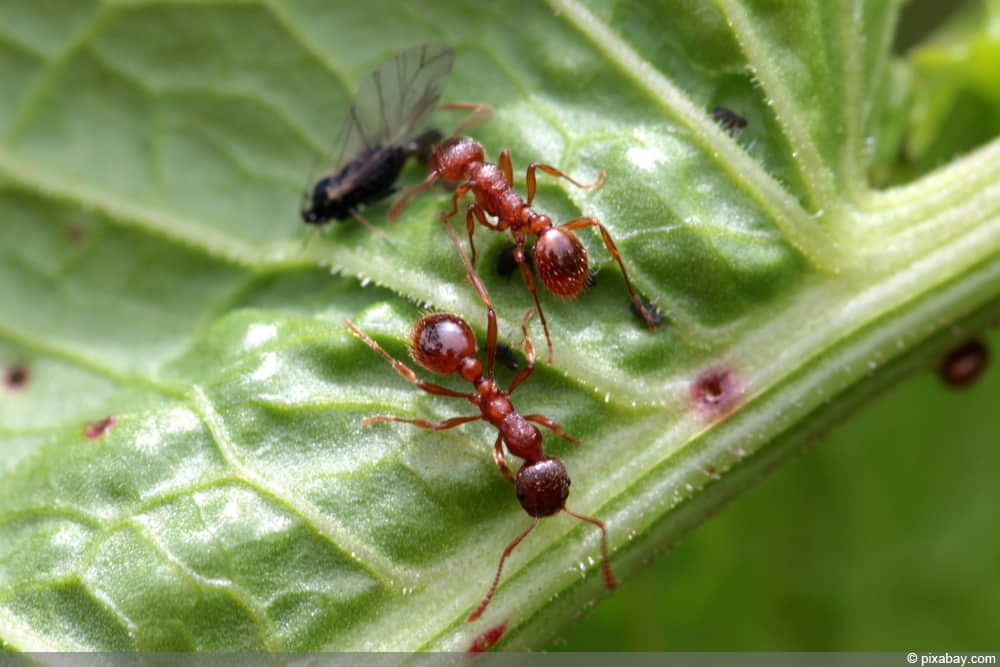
pixel 730 121
pixel 378 135
pixel 559 258
pixel 965 364
pixel 444 344
pixel 506 356
pixel 487 639
pixel 16 376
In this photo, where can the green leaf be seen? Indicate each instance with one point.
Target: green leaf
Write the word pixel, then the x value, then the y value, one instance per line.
pixel 152 159
pixel 957 102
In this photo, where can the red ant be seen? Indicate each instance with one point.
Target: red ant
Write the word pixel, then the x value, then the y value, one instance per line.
pixel 444 344
pixel 559 257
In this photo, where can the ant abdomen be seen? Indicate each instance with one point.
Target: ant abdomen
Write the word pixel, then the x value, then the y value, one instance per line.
pixel 561 262
pixel 543 487
pixel 440 341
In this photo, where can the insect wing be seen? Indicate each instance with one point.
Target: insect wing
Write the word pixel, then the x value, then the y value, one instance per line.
pixel 395 99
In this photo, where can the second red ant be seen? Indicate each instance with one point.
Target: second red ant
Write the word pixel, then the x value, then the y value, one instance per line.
pixel 444 344
pixel 559 257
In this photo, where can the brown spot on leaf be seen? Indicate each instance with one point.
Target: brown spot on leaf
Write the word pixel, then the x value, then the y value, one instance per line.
pixel 16 377
pixel 98 427
pixel 76 232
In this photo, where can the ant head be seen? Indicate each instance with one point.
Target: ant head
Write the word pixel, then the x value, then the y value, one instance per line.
pixel 453 156
pixel 543 487
pixel 561 262
pixel 441 341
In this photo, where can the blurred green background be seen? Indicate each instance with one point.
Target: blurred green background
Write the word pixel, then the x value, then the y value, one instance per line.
pixel 881 537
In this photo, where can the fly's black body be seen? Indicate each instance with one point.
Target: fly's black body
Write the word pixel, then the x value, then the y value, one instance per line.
pixel 729 120
pixel 368 178
pixel 378 136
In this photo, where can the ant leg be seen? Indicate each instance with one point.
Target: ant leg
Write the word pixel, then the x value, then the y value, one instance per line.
pixel 401 203
pixel 473 213
pixel 470 226
pixel 476 210
pixel 530 282
pixel 481 217
pixel 498 458
pixel 491 316
pixel 552 171
pixel 460 192
pixel 496 580
pixel 422 423
pixel 609 577
pixel 529 355
pixel 480 112
pixel 402 368
pixel 507 168
pixel 638 304
pixel 552 426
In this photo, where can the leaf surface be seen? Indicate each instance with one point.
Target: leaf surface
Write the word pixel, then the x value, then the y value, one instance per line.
pixel 152 158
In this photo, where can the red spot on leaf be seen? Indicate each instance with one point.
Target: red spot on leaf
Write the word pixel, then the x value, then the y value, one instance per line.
pixel 716 391
pixel 98 427
pixel 485 640
pixel 16 377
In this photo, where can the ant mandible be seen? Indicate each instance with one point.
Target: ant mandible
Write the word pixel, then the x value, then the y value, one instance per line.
pixel 559 257
pixel 444 344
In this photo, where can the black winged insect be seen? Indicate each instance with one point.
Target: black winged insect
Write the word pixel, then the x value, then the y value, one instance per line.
pixel 729 120
pixel 379 135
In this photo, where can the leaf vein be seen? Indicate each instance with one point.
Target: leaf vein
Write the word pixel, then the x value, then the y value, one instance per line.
pixel 364 555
